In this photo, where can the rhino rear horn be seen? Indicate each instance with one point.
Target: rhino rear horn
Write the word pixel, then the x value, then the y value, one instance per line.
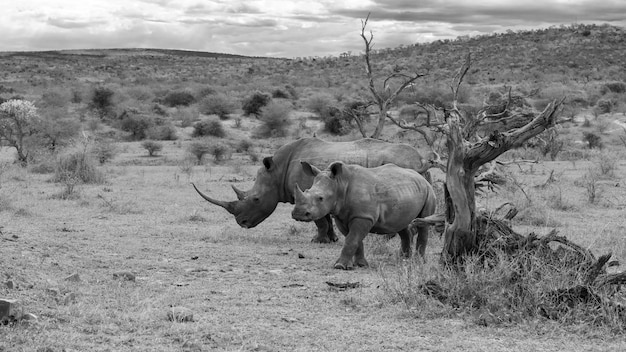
pixel 229 206
pixel 241 195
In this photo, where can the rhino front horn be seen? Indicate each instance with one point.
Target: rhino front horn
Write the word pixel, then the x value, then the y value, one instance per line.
pixel 241 195
pixel 298 192
pixel 229 206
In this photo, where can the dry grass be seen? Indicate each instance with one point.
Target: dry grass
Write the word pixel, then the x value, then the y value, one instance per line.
pixel 258 289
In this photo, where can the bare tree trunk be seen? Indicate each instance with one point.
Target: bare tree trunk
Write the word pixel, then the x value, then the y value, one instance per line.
pixel 464 159
pixel 382 115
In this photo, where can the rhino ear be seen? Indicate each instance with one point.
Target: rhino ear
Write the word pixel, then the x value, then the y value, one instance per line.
pixel 309 169
pixel 336 168
pixel 268 162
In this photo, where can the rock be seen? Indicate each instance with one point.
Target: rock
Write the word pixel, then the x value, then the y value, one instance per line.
pixel 180 314
pixel 301 256
pixel 73 278
pixel 10 284
pixel 29 317
pixel 10 311
pixel 124 275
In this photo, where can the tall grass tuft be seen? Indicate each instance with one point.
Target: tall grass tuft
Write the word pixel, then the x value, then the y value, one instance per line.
pixel 77 165
pixel 505 289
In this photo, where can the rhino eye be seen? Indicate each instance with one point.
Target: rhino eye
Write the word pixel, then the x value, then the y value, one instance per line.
pixel 256 200
pixel 320 199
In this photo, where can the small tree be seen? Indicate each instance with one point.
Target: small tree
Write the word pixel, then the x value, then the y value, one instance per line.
pixel 275 117
pixel 102 101
pixel 199 149
pixel 152 147
pixel 253 105
pixel 217 104
pixel 18 119
pixel 210 127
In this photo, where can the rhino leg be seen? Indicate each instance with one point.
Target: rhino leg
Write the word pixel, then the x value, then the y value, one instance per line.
pixel 405 238
pixel 325 231
pixel 353 246
pixel 422 232
pixel 359 256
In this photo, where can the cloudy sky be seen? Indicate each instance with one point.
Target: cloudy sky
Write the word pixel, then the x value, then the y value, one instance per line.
pixel 277 28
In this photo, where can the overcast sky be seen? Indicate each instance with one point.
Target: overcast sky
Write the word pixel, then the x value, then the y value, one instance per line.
pixel 276 27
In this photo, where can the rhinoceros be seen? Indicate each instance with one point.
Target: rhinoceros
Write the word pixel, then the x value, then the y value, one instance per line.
pixel 276 179
pixel 381 200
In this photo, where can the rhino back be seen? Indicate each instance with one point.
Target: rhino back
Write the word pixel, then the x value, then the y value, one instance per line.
pixel 389 195
pixel 366 152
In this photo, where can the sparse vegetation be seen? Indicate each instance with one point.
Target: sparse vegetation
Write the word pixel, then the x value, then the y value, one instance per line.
pixel 209 127
pixel 152 147
pixel 130 211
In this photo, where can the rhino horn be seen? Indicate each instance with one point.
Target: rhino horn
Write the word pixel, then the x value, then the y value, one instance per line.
pixel 229 206
pixel 241 195
pixel 298 192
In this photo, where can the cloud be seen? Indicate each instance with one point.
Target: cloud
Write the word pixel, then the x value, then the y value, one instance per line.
pixel 278 27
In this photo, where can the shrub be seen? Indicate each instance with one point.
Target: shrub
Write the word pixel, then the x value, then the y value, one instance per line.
pixel 152 147
pixel 605 106
pixel 77 165
pixel 593 140
pixel 220 152
pixel 209 127
pixel 179 98
pixel 253 104
pixel 318 103
pixel 280 94
pixel 103 151
pixel 275 117
pixel 137 125
pixel 217 104
pixel 335 121
pixel 165 132
pixel 613 87
pixel 244 146
pixel 102 101
pixel 199 149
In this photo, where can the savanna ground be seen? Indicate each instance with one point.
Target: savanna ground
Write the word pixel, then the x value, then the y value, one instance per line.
pixel 263 288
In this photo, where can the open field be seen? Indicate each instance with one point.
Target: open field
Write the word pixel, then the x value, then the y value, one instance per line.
pixel 261 289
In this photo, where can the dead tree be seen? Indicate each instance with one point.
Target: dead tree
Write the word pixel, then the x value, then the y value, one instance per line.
pixel 467 152
pixel 383 96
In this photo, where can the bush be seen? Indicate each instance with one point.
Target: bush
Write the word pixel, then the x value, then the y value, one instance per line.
pixel 605 106
pixel 165 132
pixel 152 147
pixel 102 102
pixel 220 152
pixel 199 149
pixel 318 103
pixel 613 87
pixel 593 140
pixel 179 98
pixel 217 104
pixel 77 165
pixel 276 122
pixel 103 151
pixel 253 105
pixel 335 121
pixel 137 125
pixel 244 146
pixel 280 94
pixel 210 127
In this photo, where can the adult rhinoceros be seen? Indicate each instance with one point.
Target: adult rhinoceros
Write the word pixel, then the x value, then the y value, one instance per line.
pixel 276 179
pixel 381 200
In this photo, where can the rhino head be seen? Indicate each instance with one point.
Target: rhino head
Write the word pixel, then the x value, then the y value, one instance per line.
pixel 319 200
pixel 255 205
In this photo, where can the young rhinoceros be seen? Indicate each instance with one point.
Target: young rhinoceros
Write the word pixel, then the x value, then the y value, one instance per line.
pixel 382 200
